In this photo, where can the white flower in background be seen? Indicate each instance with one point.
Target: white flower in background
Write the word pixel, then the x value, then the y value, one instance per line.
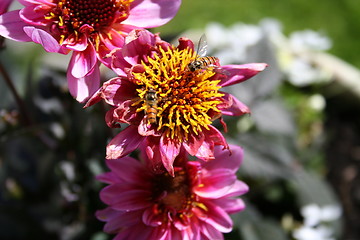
pixel 230 44
pixel 309 40
pixel 308 233
pixel 301 71
pixel 315 220
pixel 314 215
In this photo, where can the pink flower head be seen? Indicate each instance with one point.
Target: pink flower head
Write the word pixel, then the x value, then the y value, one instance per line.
pixel 90 28
pixel 194 204
pixel 167 105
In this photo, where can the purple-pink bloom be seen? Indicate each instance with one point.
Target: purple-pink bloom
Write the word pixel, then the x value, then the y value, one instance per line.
pixel 89 28
pixel 194 204
pixel 167 105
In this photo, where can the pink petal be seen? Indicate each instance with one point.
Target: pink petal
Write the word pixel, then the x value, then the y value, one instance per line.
pixel 169 149
pixel 217 218
pixel 232 106
pixel 113 218
pixel 82 63
pixel 34 14
pixel 210 232
pixel 115 37
pixel 225 159
pixel 230 205
pixel 185 43
pixel 11 26
pixel 138 232
pixel 153 157
pixel 138 48
pixel 79 45
pixel 152 13
pixel 84 87
pixel 151 219
pixel 108 177
pixel 217 184
pixel 124 143
pixel 31 2
pixel 193 144
pixel 118 90
pixel 4 5
pixel 118 219
pixel 43 38
pixel 240 73
pixel 212 137
pixel 125 197
pixel 238 188
pixel 130 173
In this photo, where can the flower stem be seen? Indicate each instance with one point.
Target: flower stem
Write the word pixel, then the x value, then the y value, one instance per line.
pixel 19 101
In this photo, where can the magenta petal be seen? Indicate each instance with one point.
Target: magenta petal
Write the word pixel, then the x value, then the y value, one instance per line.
pixel 232 106
pixel 108 177
pixel 151 219
pixel 193 144
pixel 169 150
pixel 128 174
pixel 138 232
pixel 238 188
pixel 31 2
pixel 11 26
pixel 79 45
pixel 124 143
pixel 4 5
pixel 118 90
pixel 230 205
pixel 112 217
pixel 225 159
pixel 82 63
pixel 152 13
pixel 212 137
pixel 40 36
pixel 240 73
pixel 34 14
pixel 210 232
pixel 217 184
pixel 217 218
pixel 84 87
pixel 125 197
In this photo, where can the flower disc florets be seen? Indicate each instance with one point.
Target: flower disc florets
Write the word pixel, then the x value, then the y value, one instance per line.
pixel 184 98
pixel 70 17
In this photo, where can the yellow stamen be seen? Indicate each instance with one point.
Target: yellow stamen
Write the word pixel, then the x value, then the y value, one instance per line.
pixel 184 98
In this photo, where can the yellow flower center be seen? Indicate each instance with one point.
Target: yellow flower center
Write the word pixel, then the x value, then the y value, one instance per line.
pixel 69 15
pixel 174 98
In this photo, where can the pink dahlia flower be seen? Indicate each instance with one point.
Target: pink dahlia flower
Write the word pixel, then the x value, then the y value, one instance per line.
pixel 89 28
pixel 167 105
pixel 194 204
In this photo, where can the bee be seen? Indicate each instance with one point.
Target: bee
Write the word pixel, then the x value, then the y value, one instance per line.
pixel 202 61
pixel 151 101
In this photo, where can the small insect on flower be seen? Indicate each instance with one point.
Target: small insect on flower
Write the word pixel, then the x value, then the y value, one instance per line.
pixel 202 61
pixel 151 101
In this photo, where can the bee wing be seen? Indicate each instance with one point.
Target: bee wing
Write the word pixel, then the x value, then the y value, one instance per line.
pixel 202 46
